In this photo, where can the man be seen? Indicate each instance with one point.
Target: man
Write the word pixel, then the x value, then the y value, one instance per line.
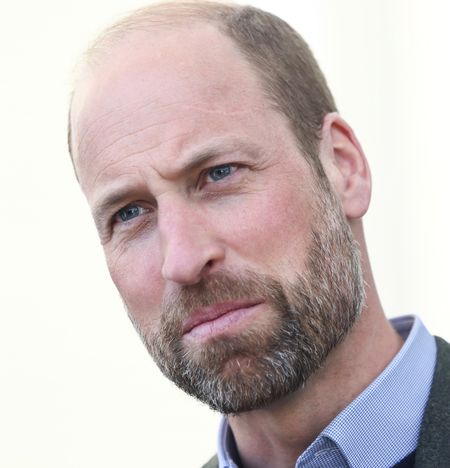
pixel 228 195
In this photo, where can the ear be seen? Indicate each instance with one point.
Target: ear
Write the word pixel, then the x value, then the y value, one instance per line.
pixel 345 165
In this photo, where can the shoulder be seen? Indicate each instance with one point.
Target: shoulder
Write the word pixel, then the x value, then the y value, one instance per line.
pixel 213 463
pixel 439 393
pixel 434 449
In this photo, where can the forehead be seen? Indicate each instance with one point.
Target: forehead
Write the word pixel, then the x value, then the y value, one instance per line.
pixel 163 68
pixel 182 59
pixel 168 87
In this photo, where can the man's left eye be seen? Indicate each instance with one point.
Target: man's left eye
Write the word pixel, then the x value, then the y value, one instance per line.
pixel 220 172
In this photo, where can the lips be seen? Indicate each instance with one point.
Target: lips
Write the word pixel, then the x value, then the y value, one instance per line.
pixel 217 313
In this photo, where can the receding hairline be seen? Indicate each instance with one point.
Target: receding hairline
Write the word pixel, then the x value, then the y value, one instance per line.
pixel 281 60
pixel 121 35
pixel 161 16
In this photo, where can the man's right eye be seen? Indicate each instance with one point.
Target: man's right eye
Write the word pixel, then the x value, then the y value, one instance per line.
pixel 129 212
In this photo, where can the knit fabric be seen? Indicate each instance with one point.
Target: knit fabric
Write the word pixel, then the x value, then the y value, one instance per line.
pixel 434 443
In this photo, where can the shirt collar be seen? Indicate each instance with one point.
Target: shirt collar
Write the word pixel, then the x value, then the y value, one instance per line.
pixel 393 404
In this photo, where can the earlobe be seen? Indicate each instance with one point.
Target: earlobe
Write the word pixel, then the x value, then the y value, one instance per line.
pixel 345 165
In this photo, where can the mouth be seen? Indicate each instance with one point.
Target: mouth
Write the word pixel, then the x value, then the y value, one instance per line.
pixel 212 320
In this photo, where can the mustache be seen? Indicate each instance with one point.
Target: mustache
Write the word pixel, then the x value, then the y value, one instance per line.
pixel 219 287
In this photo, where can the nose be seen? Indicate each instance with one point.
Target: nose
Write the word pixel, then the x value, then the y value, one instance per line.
pixel 190 247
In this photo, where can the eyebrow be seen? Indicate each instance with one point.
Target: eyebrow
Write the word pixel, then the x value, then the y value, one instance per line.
pixel 213 150
pixel 196 159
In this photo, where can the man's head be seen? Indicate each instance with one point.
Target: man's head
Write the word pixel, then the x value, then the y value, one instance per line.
pixel 227 242
pixel 282 61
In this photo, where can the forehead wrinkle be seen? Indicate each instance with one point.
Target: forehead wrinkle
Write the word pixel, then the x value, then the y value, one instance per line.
pixel 149 148
pixel 111 164
pixel 130 107
pixel 124 116
pixel 91 128
pixel 137 132
pixel 127 113
pixel 137 105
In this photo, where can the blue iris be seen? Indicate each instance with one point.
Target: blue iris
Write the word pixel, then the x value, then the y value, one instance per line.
pixel 129 212
pixel 219 172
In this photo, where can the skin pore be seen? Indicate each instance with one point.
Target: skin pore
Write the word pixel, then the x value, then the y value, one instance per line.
pixel 190 173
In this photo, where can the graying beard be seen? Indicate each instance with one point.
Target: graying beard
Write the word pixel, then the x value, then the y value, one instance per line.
pixel 330 294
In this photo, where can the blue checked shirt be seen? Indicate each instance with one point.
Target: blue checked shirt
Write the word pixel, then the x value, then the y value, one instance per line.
pixel 381 426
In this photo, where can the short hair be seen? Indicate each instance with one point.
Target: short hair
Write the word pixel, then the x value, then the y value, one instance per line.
pixel 281 59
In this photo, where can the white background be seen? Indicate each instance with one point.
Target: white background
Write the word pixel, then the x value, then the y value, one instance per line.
pixel 77 388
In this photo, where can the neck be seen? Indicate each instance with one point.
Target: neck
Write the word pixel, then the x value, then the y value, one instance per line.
pixel 276 435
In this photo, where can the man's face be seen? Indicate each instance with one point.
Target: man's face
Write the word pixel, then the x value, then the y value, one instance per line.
pixel 239 272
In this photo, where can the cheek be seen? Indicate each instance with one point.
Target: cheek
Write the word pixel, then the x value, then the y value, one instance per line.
pixel 138 281
pixel 275 229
